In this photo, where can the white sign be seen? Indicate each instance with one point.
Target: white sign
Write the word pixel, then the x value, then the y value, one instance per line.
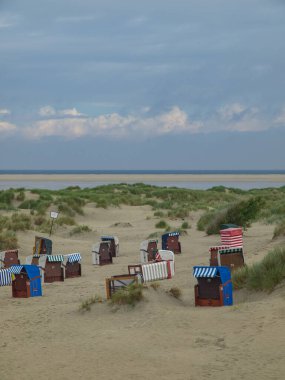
pixel 53 214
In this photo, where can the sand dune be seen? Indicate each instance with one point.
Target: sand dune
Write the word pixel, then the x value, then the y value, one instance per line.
pixel 161 338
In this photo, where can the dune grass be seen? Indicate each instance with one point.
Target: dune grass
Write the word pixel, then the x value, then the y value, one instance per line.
pixel 279 230
pixel 130 295
pixel 175 292
pixel 221 204
pixel 161 224
pixel 154 285
pixel 8 240
pixel 262 276
pixel 241 213
pixel 79 230
pixel 19 222
pixel 86 304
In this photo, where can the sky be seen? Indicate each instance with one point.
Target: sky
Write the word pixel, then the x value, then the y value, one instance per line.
pixel 161 84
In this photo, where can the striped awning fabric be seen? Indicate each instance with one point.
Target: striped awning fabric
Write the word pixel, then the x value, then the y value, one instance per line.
pixel 16 269
pixel 73 257
pixel 54 258
pixel 204 272
pixel 5 277
pixel 218 247
pixel 232 237
pixel 231 250
pixel 174 234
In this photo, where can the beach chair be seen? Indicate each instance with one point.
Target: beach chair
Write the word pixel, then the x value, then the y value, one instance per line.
pixel 101 253
pixel 8 258
pixel 170 241
pixel 26 281
pixel 214 286
pixel 114 244
pixel 43 246
pixel 148 250
pixel 72 265
pixel 231 257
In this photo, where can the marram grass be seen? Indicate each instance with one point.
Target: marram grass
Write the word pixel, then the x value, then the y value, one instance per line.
pixel 262 276
pixel 130 295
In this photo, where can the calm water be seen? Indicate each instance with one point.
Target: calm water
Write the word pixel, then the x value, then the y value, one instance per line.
pixel 142 171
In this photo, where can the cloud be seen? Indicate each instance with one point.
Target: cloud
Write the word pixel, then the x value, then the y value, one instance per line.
pixel 112 125
pixel 48 111
pixel 280 119
pixel 238 117
pixel 5 111
pixel 68 128
pixel 70 112
pixel 230 111
pixel 71 124
pixel 7 128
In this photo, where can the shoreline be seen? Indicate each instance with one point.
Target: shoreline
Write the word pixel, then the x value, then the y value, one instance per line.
pixel 143 177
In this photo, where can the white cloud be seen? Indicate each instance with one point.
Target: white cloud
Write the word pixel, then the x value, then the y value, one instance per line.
pixel 68 128
pixel 229 111
pixel 5 111
pixel 70 112
pixel 47 111
pixel 7 128
pixel 113 125
pixel 70 123
pixel 280 119
pixel 237 117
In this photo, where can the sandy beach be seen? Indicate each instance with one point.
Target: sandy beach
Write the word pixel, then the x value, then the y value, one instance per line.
pixel 144 177
pixel 162 337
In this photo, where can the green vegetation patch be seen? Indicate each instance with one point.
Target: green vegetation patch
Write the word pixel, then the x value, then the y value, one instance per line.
pixel 161 224
pixel 279 230
pixel 8 240
pixel 130 295
pixel 241 213
pixel 175 292
pixel 19 222
pixel 262 276
pixel 86 304
pixel 79 230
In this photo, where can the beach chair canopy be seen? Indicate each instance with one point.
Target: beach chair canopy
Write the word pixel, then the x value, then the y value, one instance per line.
pixel 211 272
pixel 5 277
pixel 72 257
pixel 166 235
pixel 110 238
pixel 231 250
pixel 55 258
pixel 6 274
pixel 229 225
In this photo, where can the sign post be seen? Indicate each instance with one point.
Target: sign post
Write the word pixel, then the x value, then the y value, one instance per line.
pixel 53 215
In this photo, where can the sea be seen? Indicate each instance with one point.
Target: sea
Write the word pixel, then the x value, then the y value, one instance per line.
pixel 62 184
